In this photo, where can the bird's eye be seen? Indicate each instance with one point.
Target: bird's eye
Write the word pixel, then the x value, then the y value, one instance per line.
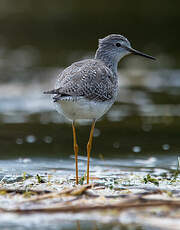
pixel 118 44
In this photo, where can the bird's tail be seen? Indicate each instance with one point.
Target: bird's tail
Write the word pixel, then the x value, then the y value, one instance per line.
pixel 54 91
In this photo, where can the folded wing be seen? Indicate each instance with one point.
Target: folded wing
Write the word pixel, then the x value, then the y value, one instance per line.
pixel 89 78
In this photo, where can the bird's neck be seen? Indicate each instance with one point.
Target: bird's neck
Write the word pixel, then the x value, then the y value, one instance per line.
pixel 109 60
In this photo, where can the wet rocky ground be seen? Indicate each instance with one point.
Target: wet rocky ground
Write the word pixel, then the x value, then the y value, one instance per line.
pixel 46 197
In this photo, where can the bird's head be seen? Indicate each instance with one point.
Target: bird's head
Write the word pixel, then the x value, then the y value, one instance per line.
pixel 118 46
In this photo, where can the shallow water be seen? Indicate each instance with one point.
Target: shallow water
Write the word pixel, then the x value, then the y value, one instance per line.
pixel 12 172
pixel 143 122
pixel 139 135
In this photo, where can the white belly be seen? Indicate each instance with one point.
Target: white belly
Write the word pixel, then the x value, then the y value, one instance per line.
pixel 83 108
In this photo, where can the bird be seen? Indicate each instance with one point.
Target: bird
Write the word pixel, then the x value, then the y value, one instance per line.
pixel 87 89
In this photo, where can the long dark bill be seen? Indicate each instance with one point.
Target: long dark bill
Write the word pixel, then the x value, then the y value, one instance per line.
pixel 136 52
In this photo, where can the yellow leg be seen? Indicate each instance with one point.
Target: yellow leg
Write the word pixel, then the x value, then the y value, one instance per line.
pixel 89 145
pixel 75 149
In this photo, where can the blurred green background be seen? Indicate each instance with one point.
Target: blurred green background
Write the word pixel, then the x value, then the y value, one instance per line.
pixel 64 31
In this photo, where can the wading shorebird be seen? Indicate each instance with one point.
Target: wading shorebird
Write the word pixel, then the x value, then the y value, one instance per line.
pixel 87 89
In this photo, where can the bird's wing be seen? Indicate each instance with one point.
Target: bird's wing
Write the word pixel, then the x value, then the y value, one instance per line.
pixel 89 78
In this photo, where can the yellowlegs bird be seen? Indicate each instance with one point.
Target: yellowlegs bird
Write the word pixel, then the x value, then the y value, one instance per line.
pixel 87 89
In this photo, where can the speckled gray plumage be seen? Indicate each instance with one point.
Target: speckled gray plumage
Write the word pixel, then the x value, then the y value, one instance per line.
pixel 89 78
pixel 94 79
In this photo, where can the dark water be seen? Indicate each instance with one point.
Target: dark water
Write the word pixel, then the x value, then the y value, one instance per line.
pixel 144 121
